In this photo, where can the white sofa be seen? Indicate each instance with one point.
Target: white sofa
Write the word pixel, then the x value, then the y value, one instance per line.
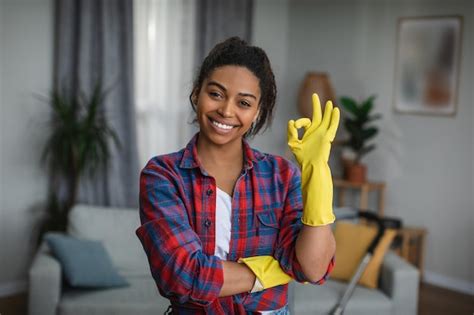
pixel 48 294
pixel 397 293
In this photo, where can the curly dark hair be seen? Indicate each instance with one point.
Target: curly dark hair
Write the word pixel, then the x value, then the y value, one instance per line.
pixel 236 52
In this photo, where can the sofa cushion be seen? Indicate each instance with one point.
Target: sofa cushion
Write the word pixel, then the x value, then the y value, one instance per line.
pixel 314 299
pixel 352 242
pixel 85 263
pixel 115 227
pixel 141 297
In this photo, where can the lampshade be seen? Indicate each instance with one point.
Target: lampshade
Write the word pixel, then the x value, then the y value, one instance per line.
pixel 314 82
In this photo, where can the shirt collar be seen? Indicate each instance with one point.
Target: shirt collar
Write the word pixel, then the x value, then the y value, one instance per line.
pixel 190 157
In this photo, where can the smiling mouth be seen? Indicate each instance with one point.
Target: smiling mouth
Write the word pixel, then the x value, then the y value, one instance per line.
pixel 221 125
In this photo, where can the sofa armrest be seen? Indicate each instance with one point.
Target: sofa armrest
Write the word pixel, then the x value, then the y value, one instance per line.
pixel 400 281
pixel 44 283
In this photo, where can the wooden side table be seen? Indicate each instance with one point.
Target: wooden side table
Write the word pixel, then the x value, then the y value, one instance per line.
pixel 364 189
pixel 412 247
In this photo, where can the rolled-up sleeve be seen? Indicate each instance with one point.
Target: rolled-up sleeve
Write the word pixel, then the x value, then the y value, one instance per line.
pixel 182 272
pixel 290 227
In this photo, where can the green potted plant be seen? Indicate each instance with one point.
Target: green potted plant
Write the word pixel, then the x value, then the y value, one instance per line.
pixel 358 124
pixel 77 145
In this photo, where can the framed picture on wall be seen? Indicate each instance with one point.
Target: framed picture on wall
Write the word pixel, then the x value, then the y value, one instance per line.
pixel 427 65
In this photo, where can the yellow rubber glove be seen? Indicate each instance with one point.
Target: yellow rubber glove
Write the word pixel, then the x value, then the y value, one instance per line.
pixel 267 270
pixel 312 154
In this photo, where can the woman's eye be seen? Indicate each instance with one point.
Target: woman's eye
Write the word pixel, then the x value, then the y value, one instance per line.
pixel 245 103
pixel 214 94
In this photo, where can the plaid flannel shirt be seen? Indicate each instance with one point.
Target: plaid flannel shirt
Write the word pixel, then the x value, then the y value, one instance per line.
pixel 177 212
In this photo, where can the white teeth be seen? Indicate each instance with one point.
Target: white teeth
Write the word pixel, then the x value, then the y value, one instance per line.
pixel 221 125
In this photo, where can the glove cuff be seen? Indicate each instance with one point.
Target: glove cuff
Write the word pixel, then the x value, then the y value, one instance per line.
pixel 320 221
pixel 317 193
pixel 257 285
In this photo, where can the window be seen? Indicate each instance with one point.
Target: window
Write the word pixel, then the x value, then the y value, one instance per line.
pixel 164 68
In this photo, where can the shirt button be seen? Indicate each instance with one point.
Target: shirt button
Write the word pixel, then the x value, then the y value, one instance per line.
pixel 207 223
pixel 209 192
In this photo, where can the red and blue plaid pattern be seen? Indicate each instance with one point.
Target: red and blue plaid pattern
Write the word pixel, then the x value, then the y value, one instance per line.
pixel 177 212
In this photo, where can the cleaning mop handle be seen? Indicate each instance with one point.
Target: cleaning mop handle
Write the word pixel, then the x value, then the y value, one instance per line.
pixel 380 228
pixel 382 224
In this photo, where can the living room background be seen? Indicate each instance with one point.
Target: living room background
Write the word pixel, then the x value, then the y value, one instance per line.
pixel 427 162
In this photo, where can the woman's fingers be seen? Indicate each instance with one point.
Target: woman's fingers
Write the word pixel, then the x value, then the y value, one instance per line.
pixel 316 110
pixel 334 124
pixel 303 122
pixel 292 132
pixel 330 121
pixel 327 115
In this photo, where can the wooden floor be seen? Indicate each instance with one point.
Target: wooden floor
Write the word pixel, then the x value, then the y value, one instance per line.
pixel 438 301
pixel 433 301
pixel 14 305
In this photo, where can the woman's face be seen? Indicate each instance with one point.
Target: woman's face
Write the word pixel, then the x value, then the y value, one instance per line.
pixel 227 104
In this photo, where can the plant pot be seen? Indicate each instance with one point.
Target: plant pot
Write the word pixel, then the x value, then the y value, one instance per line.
pixel 355 172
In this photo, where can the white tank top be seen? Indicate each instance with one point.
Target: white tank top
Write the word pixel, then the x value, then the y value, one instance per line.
pixel 223 224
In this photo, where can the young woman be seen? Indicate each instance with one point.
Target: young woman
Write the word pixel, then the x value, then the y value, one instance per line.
pixel 226 227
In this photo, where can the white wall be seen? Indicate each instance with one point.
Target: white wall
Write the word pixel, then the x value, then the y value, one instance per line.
pixel 270 32
pixel 26 53
pixel 426 161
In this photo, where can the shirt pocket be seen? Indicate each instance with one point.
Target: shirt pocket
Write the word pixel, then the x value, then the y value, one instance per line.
pixel 268 226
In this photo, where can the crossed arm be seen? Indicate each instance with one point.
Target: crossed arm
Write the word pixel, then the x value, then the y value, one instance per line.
pixel 315 247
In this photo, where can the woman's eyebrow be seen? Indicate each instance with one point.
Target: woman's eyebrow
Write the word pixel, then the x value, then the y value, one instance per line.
pixel 248 95
pixel 217 84
pixel 225 90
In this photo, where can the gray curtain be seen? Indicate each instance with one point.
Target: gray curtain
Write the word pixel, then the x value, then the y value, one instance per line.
pixel 94 42
pixel 219 19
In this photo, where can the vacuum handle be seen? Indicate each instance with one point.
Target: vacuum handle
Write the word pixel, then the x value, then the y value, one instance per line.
pixel 380 228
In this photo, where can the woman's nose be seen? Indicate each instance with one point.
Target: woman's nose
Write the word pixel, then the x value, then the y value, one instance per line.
pixel 225 110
